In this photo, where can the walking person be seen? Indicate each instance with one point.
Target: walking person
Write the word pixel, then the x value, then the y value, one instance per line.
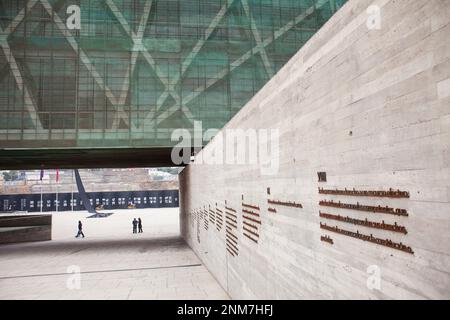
pixel 135 223
pixel 140 225
pixel 80 230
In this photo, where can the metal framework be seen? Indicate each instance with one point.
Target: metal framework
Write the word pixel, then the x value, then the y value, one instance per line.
pixel 138 69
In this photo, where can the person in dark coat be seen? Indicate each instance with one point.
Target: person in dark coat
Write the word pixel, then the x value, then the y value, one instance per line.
pixel 135 223
pixel 140 225
pixel 80 230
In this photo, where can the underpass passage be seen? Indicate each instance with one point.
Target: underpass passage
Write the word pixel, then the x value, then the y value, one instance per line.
pixel 110 263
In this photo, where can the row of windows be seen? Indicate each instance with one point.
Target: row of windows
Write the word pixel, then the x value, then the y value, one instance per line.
pixel 170 23
pixel 240 33
pixel 181 10
pixel 104 201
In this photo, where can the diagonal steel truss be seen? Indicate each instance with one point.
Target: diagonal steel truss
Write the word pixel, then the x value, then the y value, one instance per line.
pixel 29 103
pixel 257 49
pixel 139 48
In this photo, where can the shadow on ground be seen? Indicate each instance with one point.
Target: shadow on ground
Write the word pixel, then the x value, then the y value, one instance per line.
pixel 77 245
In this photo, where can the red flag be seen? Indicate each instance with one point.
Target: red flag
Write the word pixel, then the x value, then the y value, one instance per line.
pixel 57 175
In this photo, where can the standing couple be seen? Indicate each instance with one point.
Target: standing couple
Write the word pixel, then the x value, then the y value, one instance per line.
pixel 137 225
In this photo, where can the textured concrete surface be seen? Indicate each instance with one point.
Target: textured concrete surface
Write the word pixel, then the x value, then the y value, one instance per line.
pixel 371 108
pixel 113 262
pixel 26 228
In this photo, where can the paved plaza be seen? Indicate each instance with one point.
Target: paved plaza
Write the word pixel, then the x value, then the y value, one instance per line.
pixel 110 263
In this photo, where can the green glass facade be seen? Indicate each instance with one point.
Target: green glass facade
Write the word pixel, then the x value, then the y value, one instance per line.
pixel 138 69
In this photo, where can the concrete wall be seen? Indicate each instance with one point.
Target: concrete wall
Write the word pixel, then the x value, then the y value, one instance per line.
pixel 371 108
pixel 26 228
pixel 8 221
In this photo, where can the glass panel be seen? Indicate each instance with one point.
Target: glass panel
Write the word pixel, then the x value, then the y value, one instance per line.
pixel 138 69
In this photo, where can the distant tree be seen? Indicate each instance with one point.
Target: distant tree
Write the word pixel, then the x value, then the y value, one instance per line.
pixel 10 175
